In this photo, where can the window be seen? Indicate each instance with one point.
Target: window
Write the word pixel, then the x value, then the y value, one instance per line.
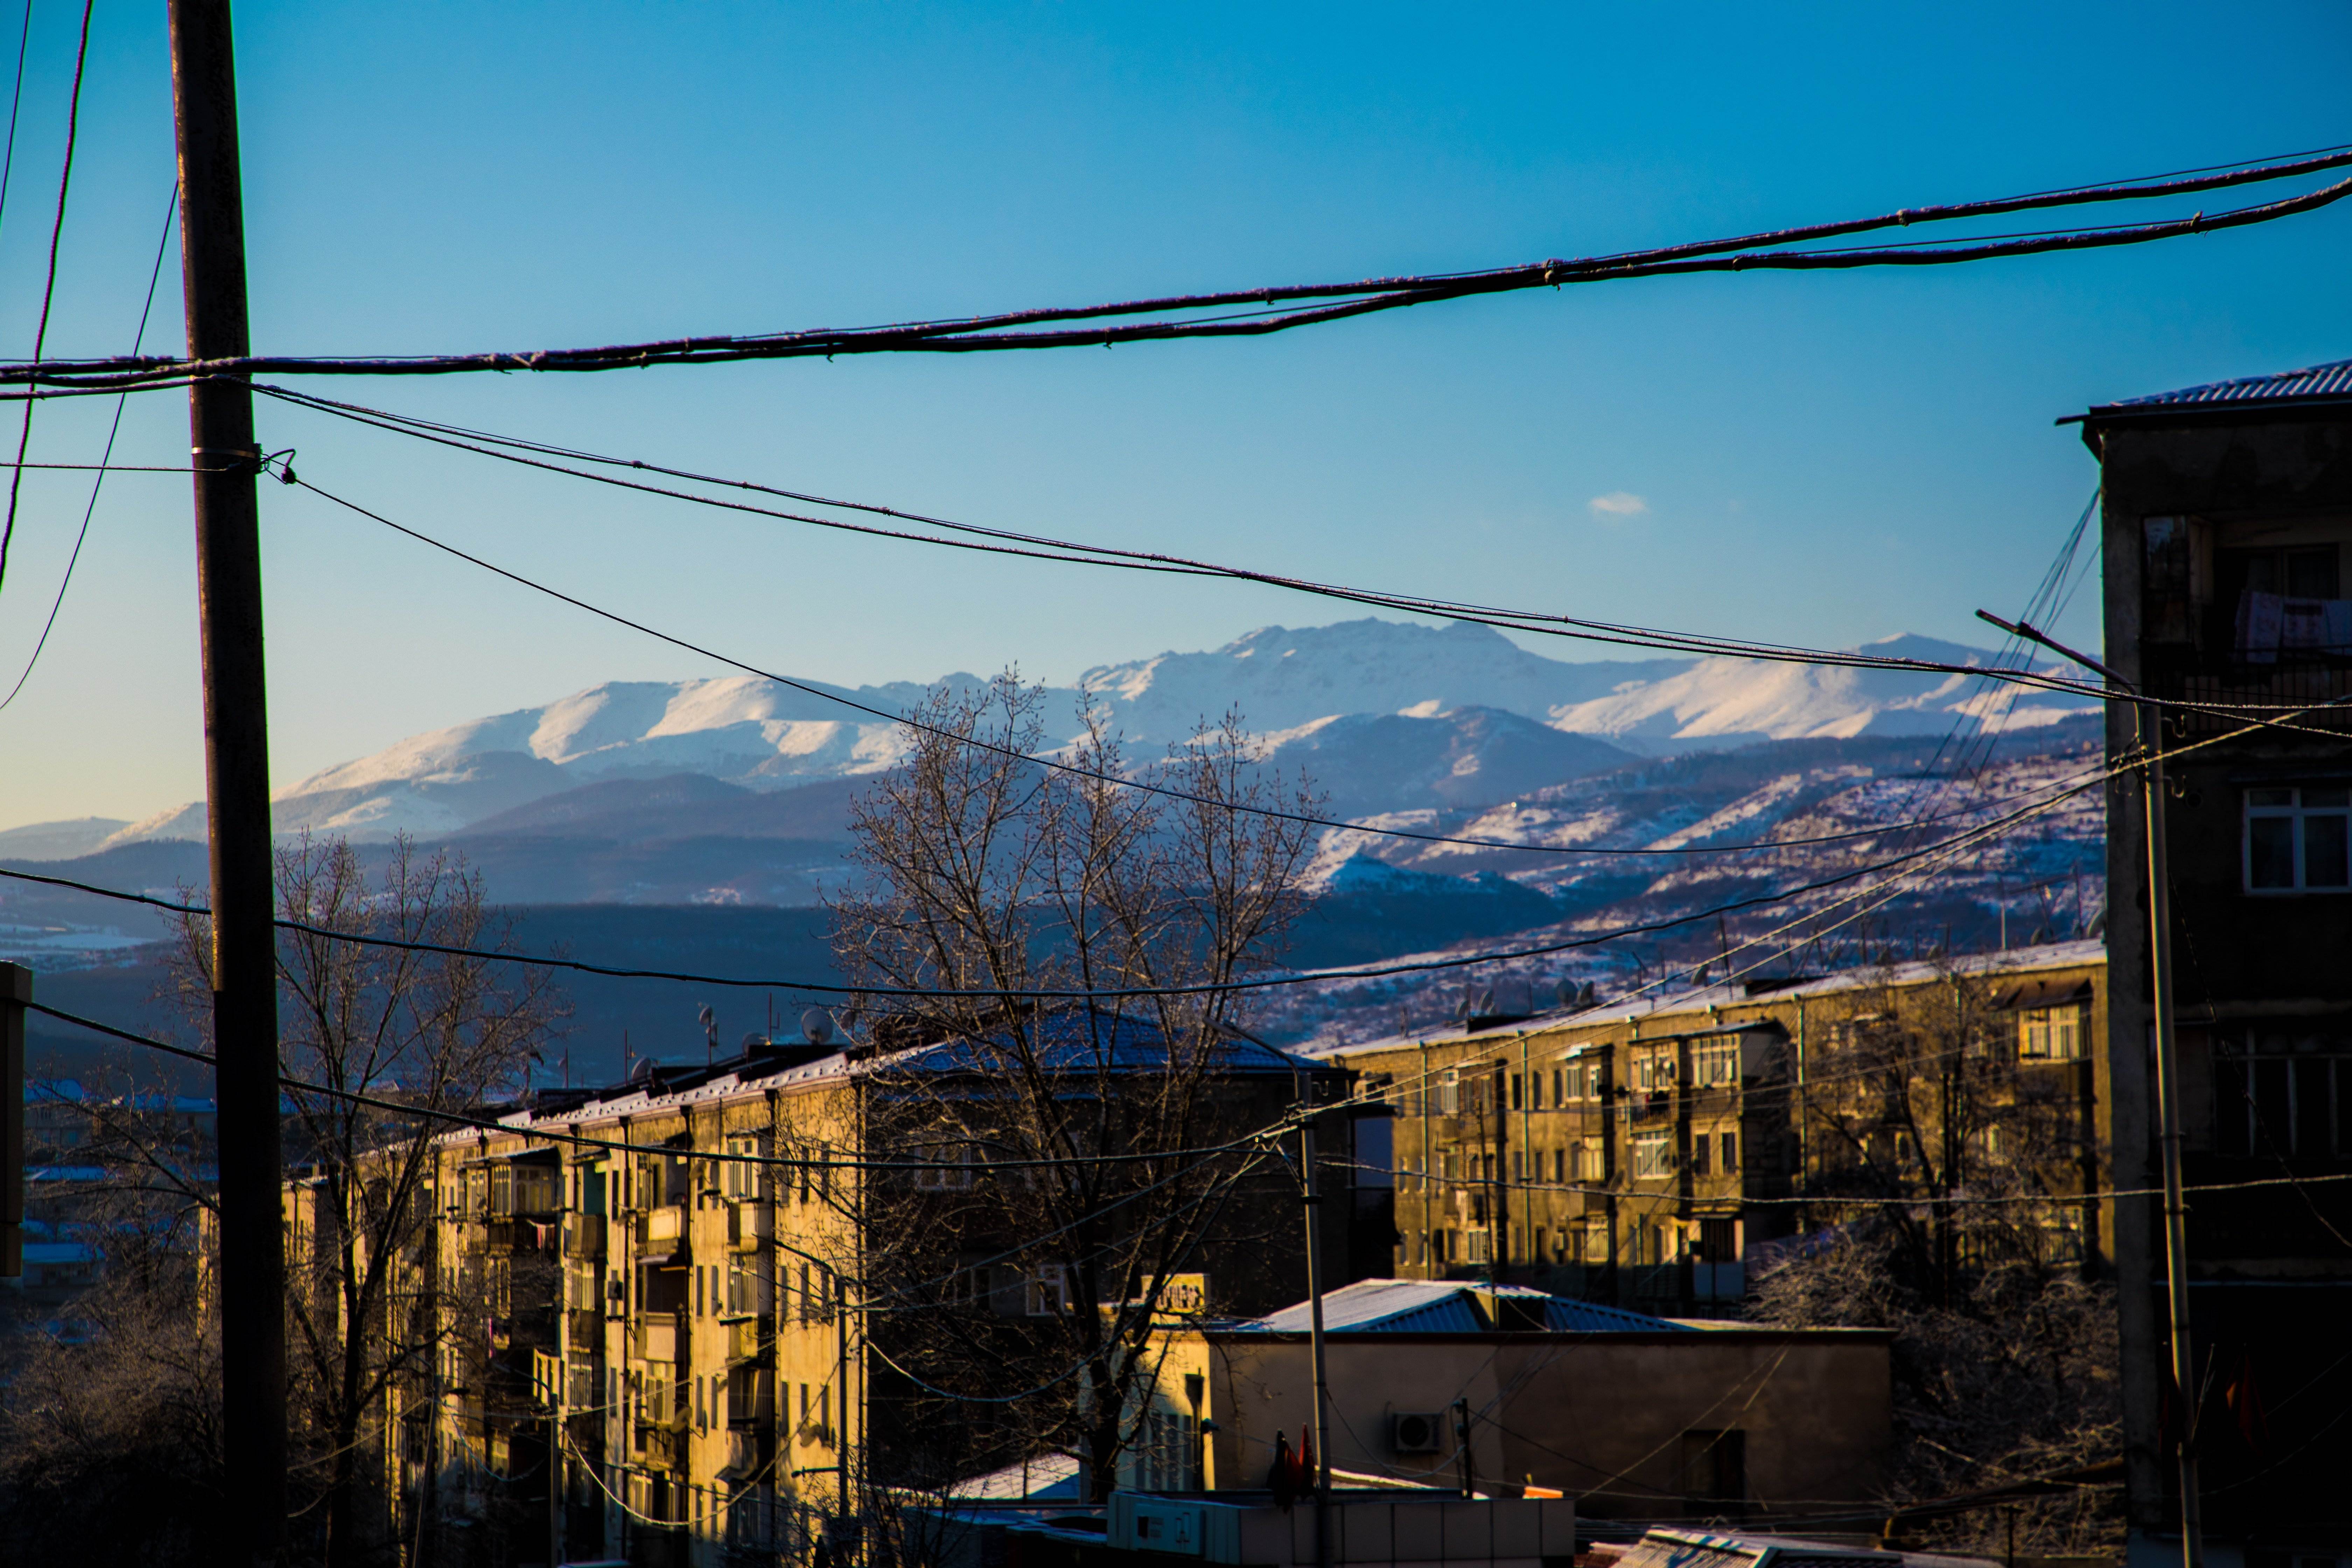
pixel 1478 1247
pixel 739 1177
pixel 1730 1153
pixel 1535 1091
pixel 2050 1034
pixel 1714 1064
pixel 947 1167
pixel 1517 1095
pixel 2280 1094
pixel 1702 1164
pixel 1559 1165
pixel 1719 1241
pixel 1449 1092
pixel 1654 1070
pixel 1654 1155
pixel 2297 840
pixel 1559 1088
pixel 1049 1292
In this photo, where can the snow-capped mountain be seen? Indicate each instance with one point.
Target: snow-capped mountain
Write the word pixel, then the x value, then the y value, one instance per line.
pixel 1387 716
pixel 1731 701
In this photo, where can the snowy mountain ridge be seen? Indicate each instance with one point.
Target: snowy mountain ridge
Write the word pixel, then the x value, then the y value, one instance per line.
pixel 1386 715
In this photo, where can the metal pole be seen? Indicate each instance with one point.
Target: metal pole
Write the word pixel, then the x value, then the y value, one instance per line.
pixel 2167 1093
pixel 236 784
pixel 15 990
pixel 1311 1200
pixel 555 1472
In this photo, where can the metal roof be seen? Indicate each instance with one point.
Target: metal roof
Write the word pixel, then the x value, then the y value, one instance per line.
pixel 2330 383
pixel 1446 1307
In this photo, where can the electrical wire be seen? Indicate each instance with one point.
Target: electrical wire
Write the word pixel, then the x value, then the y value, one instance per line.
pixel 105 459
pixel 535 454
pixel 1261 313
pixel 49 285
pixel 15 103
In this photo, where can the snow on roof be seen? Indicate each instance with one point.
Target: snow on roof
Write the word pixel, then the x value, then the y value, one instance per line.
pixel 1444 1307
pixel 1704 999
pixel 1048 1478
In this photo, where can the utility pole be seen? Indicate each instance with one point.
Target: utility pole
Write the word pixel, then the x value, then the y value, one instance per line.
pixel 2167 1080
pixel 236 783
pixel 1311 1200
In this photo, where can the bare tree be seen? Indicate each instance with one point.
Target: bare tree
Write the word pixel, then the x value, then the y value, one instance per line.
pixel 1952 1180
pixel 390 1035
pixel 109 1433
pixel 1056 1178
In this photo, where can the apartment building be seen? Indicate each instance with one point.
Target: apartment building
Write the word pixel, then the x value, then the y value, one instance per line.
pixel 673 1283
pixel 1655 1152
pixel 2227 515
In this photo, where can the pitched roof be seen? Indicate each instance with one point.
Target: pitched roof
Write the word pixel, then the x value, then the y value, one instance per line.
pixel 2319 384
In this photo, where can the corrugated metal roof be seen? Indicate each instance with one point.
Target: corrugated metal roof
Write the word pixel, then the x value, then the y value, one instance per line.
pixel 2328 383
pixel 1447 1307
pixel 1388 1306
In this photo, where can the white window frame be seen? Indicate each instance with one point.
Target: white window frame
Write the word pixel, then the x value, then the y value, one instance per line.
pixel 2296 810
pixel 1653 1156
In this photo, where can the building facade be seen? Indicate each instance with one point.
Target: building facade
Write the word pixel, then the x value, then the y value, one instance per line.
pixel 2226 516
pixel 1655 1153
pixel 671 1288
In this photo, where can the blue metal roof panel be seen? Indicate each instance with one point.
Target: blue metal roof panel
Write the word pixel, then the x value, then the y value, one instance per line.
pixel 2332 381
pixel 1565 1317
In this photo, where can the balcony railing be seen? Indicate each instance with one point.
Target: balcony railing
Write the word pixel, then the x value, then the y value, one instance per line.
pixel 658 1339
pixel 2262 693
pixel 664 1226
pixel 743 1341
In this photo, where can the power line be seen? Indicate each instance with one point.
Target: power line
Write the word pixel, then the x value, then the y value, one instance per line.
pixel 15 102
pixel 50 285
pixel 105 461
pixel 1263 310
pixel 1008 542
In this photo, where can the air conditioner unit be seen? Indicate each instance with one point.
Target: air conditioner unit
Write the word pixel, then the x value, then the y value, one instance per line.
pixel 1412 1432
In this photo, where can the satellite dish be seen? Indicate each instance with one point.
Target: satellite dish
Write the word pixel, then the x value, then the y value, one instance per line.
pixel 706 1017
pixel 816 1027
pixel 1568 993
pixel 1585 995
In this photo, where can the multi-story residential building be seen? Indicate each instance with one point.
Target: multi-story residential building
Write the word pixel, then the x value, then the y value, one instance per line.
pixel 673 1281
pixel 2227 520
pixel 1650 1151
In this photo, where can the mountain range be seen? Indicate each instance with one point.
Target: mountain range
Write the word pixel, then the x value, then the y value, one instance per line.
pixel 1385 716
pixel 706 820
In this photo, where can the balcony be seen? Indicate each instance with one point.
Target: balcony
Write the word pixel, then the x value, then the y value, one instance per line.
pixel 583 1330
pixel 2252 687
pixel 583 1235
pixel 657 1339
pixel 745 1342
pixel 749 1225
pixel 662 1227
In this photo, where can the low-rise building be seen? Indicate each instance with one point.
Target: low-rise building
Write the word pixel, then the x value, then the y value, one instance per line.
pixel 1499 1389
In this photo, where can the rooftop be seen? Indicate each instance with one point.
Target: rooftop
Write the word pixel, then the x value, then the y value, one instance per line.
pixel 1706 1001
pixel 1451 1307
pixel 2319 384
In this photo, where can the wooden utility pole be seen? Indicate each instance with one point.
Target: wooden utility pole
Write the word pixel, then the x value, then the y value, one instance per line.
pixel 252 1262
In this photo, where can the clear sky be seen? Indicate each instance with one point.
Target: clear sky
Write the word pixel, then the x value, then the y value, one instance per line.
pixel 1823 459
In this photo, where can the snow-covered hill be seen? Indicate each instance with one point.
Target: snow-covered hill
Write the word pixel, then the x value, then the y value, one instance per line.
pixel 1733 701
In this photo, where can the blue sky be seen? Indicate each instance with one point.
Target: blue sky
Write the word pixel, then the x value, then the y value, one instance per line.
pixel 1823 459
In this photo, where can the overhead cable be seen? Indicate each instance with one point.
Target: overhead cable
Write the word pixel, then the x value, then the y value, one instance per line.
pixel 49 283
pixel 105 464
pixel 1278 308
